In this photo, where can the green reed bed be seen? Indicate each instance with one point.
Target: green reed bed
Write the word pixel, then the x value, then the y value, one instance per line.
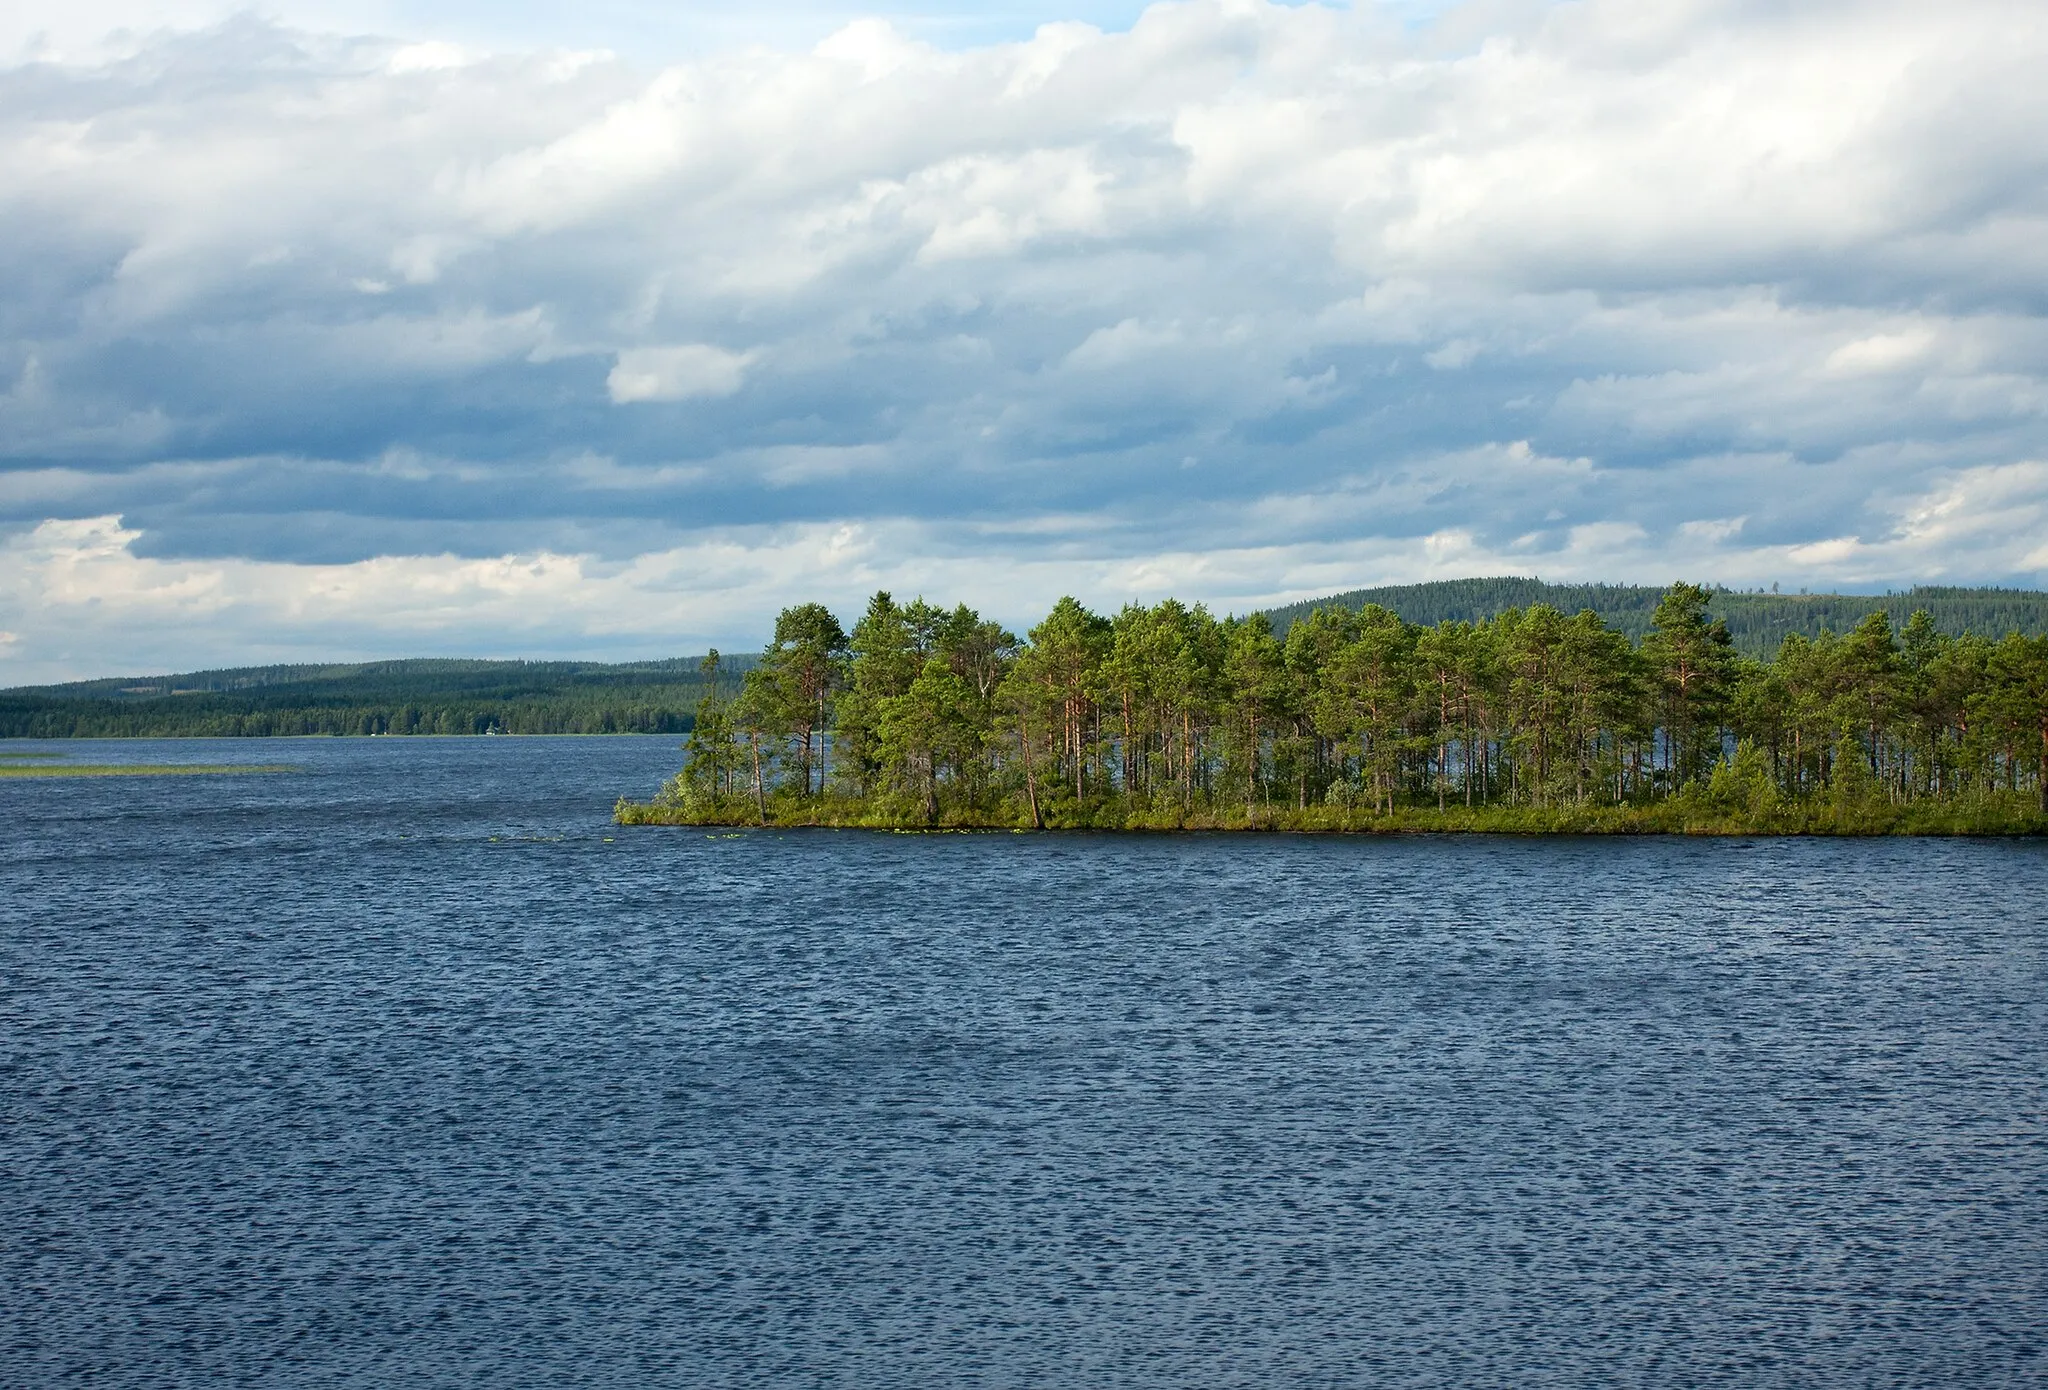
pixel 9 768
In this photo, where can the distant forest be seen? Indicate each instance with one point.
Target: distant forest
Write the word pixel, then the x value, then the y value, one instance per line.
pixel 1757 622
pixel 383 697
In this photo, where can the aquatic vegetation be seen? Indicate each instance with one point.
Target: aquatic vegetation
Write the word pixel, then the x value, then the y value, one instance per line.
pixel 52 769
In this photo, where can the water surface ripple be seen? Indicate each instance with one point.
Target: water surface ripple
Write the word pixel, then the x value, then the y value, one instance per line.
pixel 410 1070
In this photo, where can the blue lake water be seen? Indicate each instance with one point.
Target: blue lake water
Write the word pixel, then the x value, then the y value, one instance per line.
pixel 410 1069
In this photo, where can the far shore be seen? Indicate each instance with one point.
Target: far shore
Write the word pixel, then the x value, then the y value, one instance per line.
pixel 5 739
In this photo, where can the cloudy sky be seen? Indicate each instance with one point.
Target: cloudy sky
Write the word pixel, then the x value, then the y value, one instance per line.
pixel 405 327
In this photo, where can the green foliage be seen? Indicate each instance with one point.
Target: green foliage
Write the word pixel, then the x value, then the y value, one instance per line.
pixel 1168 717
pixel 714 755
pixel 801 671
pixel 1692 661
pixel 390 697
pixel 1757 622
pixel 1742 786
pixel 62 769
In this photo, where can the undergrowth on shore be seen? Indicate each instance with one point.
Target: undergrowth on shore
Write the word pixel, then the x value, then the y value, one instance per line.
pixel 1683 815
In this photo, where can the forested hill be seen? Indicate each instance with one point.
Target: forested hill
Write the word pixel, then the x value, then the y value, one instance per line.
pixel 1757 621
pixel 382 697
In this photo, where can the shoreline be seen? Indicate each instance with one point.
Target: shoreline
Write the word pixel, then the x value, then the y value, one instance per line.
pixel 1668 818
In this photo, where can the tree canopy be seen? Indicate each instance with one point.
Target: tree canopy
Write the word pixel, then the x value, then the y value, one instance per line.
pixel 1169 715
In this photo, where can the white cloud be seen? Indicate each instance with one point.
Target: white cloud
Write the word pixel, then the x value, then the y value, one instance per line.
pixel 1457 353
pixel 872 47
pixel 431 56
pixel 71 591
pixel 677 373
pixel 1713 528
pixel 1880 353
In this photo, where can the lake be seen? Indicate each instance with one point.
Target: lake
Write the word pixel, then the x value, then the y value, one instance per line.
pixel 410 1069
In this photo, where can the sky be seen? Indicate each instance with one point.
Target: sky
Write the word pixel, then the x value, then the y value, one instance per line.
pixel 397 327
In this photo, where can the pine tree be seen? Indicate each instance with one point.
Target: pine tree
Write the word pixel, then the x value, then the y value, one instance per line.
pixel 1694 661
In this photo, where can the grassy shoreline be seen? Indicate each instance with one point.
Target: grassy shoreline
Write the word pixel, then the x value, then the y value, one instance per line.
pixel 1673 817
pixel 40 769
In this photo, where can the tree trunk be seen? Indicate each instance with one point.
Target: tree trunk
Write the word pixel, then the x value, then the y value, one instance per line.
pixel 818 755
pixel 1030 778
pixel 1080 763
pixel 1187 761
pixel 1128 753
pixel 2042 775
pixel 760 793
pixel 1251 772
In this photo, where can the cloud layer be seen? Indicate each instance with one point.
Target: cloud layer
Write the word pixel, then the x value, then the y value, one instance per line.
pixel 318 343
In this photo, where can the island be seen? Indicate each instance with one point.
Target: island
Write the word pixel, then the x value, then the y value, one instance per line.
pixel 1166 717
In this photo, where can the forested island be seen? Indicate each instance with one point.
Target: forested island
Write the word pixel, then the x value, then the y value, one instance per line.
pixel 1167 717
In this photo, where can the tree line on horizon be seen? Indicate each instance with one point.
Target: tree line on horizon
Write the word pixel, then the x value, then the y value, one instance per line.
pixel 650 712
pixel 431 696
pixel 1757 619
pixel 1169 715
